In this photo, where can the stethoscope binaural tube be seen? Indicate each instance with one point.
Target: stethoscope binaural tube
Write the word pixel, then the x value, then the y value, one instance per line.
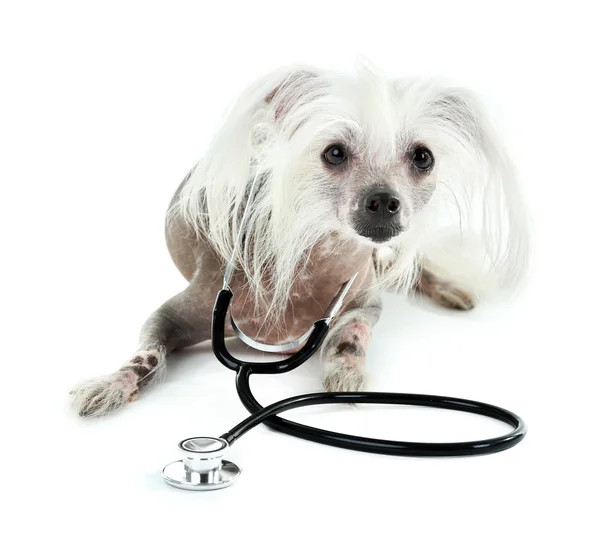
pixel 312 344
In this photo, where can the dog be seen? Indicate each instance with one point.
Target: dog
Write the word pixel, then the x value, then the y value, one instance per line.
pixel 349 173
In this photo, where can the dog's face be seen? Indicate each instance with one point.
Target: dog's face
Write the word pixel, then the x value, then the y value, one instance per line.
pixel 366 155
pixel 377 196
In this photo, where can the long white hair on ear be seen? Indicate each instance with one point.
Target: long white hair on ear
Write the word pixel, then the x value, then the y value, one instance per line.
pixel 475 229
pixel 254 152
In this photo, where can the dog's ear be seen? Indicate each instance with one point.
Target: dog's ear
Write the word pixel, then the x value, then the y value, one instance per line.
pixel 295 89
pixel 494 187
pixel 274 106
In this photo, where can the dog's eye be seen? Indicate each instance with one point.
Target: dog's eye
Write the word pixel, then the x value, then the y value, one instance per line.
pixel 335 155
pixel 422 159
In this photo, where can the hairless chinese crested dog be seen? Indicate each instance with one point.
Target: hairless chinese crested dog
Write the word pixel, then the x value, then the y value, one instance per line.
pixel 350 173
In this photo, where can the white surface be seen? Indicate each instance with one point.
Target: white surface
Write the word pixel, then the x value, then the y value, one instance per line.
pixel 104 108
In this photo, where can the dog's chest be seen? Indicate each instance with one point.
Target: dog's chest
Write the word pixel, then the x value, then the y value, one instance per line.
pixel 310 296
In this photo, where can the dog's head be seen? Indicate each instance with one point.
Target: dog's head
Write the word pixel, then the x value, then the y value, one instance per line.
pixel 362 154
pixel 358 158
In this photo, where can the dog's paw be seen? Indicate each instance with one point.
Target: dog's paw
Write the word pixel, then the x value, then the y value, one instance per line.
pixel 343 374
pixel 109 393
pixel 104 395
pixel 451 296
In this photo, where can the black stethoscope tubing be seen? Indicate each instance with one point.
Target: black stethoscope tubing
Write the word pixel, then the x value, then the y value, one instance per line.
pixel 269 415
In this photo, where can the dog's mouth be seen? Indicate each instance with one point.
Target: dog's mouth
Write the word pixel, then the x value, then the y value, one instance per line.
pixel 379 234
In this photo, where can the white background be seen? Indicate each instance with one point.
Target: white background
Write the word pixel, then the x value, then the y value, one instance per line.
pixel 104 107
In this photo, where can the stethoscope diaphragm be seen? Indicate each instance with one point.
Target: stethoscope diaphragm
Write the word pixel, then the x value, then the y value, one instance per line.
pixel 202 466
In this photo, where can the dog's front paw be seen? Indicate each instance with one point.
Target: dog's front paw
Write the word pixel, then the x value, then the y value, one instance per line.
pixel 104 395
pixel 344 374
pixel 109 393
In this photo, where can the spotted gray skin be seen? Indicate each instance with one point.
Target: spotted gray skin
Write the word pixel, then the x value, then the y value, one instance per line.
pixel 185 319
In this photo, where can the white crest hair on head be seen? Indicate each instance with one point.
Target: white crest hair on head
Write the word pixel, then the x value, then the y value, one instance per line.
pixel 266 145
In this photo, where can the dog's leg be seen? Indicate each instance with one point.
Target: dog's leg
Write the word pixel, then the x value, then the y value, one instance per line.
pixel 442 291
pixel 182 321
pixel 346 347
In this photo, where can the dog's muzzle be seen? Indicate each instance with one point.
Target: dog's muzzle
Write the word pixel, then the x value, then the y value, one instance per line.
pixel 379 217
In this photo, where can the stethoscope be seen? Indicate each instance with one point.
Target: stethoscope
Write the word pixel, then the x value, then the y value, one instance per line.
pixel 202 466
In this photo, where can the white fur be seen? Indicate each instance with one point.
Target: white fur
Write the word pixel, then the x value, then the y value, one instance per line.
pixel 272 138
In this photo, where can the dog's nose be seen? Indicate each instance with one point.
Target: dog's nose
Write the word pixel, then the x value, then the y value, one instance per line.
pixel 382 204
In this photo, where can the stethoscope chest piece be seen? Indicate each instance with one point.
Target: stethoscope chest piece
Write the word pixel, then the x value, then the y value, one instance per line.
pixel 202 467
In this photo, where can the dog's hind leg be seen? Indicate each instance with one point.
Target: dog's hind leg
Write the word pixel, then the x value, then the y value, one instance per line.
pixel 182 321
pixel 442 291
pixel 345 348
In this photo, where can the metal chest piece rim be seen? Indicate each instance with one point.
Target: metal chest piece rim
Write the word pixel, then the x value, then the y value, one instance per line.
pixel 202 467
